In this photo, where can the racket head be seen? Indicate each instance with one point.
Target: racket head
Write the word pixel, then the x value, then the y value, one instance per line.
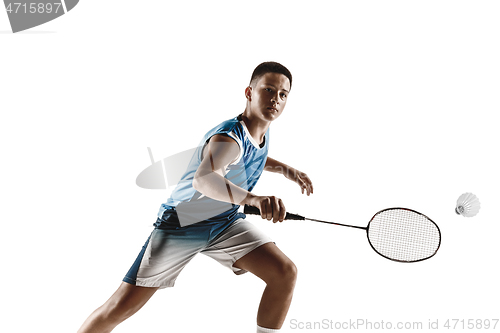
pixel 403 235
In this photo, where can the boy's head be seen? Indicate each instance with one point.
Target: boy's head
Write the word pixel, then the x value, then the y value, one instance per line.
pixel 269 67
pixel 268 91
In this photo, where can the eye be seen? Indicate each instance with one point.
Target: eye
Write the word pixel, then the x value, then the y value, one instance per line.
pixel 283 95
pixel 268 89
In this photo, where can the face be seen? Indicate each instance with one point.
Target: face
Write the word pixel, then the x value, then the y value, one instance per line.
pixel 267 97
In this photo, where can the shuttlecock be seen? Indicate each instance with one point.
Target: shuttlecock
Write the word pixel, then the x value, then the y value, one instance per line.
pixel 468 205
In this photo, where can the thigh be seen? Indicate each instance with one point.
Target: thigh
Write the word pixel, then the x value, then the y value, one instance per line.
pixel 267 262
pixel 235 242
pixel 129 298
pixel 164 256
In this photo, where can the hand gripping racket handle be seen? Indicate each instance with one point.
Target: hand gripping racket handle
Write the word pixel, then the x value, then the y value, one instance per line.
pixel 255 211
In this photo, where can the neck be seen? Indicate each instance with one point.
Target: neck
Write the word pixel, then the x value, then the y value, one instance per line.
pixel 257 127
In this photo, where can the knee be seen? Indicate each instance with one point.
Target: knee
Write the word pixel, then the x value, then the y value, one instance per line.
pixel 291 272
pixel 285 274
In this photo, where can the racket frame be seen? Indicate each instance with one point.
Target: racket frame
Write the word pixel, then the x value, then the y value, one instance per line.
pixel 410 210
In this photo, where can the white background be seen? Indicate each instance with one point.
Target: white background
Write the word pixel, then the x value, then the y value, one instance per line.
pixel 394 103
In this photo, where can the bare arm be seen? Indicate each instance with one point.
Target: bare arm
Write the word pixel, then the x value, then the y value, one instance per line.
pixel 209 180
pixel 293 174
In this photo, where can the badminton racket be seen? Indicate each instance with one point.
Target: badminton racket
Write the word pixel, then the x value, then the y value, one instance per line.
pixel 398 234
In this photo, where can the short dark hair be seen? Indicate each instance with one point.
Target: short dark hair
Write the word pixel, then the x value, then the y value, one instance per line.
pixel 270 67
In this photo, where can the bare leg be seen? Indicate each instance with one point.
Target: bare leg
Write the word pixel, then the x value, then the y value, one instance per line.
pixel 126 301
pixel 271 265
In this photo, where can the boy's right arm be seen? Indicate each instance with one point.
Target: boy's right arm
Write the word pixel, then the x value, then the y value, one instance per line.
pixel 209 180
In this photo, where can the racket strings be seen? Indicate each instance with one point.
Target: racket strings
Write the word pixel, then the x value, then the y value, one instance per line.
pixel 403 235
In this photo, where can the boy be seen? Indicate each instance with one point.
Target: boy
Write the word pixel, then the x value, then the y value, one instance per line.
pixel 202 213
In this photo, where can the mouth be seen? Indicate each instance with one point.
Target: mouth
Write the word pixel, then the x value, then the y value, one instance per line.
pixel 273 109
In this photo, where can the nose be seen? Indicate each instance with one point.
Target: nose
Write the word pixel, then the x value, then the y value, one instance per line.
pixel 275 99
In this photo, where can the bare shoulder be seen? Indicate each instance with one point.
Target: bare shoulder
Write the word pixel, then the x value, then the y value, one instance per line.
pixel 222 147
pixel 222 138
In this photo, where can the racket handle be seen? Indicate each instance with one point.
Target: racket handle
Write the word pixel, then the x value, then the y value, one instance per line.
pixel 255 211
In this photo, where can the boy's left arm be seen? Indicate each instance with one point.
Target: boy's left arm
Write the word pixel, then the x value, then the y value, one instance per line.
pixel 293 174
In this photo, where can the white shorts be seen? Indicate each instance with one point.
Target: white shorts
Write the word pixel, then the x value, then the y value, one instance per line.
pixel 168 250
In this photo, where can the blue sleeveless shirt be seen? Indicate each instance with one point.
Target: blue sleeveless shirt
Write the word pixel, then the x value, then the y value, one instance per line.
pixel 190 205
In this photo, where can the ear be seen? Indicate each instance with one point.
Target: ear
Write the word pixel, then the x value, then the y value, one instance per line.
pixel 248 93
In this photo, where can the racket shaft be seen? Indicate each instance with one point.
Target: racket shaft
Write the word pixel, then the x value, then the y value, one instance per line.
pixel 344 225
pixel 289 216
